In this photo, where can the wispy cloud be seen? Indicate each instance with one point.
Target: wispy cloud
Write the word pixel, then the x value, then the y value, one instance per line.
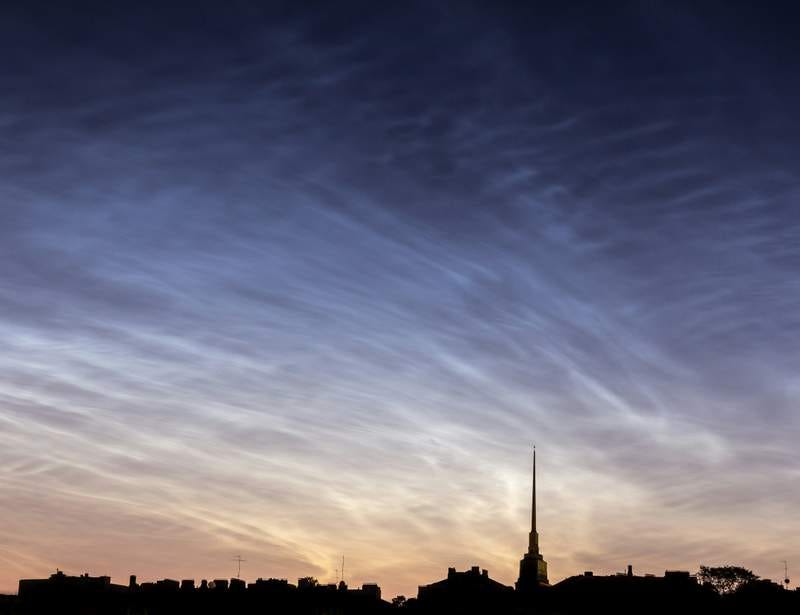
pixel 316 290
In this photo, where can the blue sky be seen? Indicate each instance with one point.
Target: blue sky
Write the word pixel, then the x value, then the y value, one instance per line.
pixel 293 285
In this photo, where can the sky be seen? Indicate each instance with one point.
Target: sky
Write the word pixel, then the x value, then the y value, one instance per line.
pixel 293 284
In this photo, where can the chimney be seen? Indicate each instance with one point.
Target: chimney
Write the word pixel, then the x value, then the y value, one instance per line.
pixel 630 570
pixel 451 572
pixel 476 570
pixel 485 573
pixel 132 582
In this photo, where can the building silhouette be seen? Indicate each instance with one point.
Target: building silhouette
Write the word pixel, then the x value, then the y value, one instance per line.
pixel 624 592
pixel 532 566
pixel 85 595
pixel 465 591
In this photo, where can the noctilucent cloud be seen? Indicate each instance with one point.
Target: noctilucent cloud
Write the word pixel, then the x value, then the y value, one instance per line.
pixel 297 284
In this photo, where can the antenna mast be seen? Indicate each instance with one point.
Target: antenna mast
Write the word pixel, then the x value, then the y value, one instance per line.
pixel 238 559
pixel 786 580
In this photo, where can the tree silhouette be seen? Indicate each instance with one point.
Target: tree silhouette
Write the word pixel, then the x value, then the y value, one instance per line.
pixel 307 582
pixel 726 579
pixel 398 601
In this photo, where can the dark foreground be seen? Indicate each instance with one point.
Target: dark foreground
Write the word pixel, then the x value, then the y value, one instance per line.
pixel 461 592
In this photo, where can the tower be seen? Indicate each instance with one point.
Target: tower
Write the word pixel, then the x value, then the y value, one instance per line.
pixel 532 567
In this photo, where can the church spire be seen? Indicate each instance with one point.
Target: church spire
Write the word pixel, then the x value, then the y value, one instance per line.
pixel 533 506
pixel 532 568
pixel 533 543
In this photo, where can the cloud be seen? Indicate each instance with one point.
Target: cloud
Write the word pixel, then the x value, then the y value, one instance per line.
pixel 309 293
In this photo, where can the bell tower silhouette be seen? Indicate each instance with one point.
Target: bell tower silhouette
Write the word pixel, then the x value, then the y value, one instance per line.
pixel 532 567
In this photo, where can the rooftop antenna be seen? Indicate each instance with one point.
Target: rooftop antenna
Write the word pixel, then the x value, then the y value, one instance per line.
pixel 238 559
pixel 786 580
pixel 342 568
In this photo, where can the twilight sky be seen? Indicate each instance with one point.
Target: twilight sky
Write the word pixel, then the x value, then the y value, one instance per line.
pixel 293 285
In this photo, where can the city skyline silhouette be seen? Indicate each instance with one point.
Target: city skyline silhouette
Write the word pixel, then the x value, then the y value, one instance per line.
pixel 532 577
pixel 726 589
